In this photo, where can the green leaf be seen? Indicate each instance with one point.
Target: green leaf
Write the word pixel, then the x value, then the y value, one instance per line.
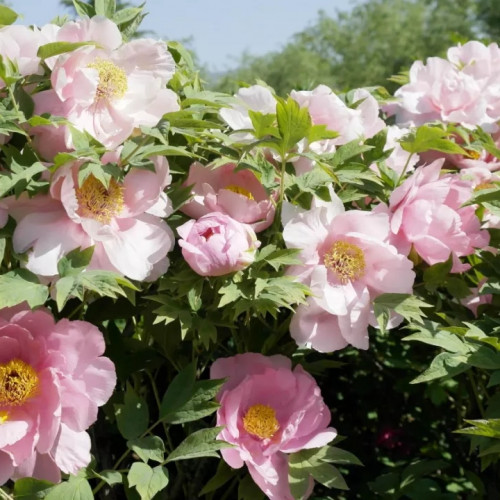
pixel 248 490
pixel 179 391
pixel 29 488
pixel 126 15
pixel 440 338
pixel 494 379
pixel 294 123
pixel 199 404
pixel 263 124
pixel 146 480
pixel 75 262
pixel 110 477
pixel 21 285
pixel 222 476
pixel 83 9
pixel 408 306
pixel 105 8
pixel 133 416
pixel 339 456
pixel 76 488
pixel 320 133
pixel 329 476
pixel 430 138
pixel 445 364
pixel 20 176
pixel 56 48
pixel 148 448
pixel 7 16
pixel 201 443
pixel 436 275
pixel 103 283
pixel 487 428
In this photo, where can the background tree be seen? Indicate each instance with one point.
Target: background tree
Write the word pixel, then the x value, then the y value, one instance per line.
pixel 362 47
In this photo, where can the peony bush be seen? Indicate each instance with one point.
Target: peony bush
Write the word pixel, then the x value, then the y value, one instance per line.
pixel 203 295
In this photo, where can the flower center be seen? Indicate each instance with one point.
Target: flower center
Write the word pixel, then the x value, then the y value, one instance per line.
pixel 239 190
pixel 112 79
pixel 474 155
pixel 97 202
pixel 346 260
pixel 18 383
pixel 485 185
pixel 260 420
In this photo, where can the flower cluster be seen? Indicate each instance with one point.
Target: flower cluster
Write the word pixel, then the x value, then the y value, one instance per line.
pixel 242 221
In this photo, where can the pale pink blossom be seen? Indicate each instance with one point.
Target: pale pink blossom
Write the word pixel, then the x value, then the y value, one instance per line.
pixel 237 193
pixel 254 98
pixel 465 89
pixel 216 244
pixel 269 411
pixel 326 108
pixel 123 223
pixel 53 378
pixel 347 261
pixel 107 90
pixel 428 214
pixel 20 45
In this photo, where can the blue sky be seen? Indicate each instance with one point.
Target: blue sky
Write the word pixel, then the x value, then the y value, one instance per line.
pixel 220 29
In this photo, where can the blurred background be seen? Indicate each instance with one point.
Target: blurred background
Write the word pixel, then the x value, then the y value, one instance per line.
pixel 297 44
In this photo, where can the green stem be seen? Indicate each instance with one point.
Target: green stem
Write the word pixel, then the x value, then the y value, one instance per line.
pixel 473 384
pixel 5 495
pixel 404 169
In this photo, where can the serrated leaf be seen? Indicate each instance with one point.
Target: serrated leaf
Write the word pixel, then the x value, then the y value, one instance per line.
pixel 483 427
pixel 294 123
pixel 148 448
pixel 76 488
pixel 19 286
pixel 75 262
pixel 263 124
pixel 146 480
pixel 408 306
pixel 201 443
pixel 428 138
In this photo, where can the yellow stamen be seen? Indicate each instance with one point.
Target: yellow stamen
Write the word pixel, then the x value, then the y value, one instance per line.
pixel 240 190
pixel 97 202
pixel 346 260
pixel 18 383
pixel 4 416
pixel 473 154
pixel 112 80
pixel 485 185
pixel 260 420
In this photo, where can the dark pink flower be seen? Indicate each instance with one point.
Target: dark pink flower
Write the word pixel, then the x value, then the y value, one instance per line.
pixel 53 378
pixel 269 411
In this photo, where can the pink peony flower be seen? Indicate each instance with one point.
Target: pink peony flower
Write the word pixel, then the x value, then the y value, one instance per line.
pixel 216 244
pixel 347 261
pixel 53 378
pixel 106 91
pixel 462 89
pixel 20 44
pixel 269 411
pixel 427 213
pixel 238 194
pixel 328 109
pixel 255 98
pixel 124 222
pixel 475 299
